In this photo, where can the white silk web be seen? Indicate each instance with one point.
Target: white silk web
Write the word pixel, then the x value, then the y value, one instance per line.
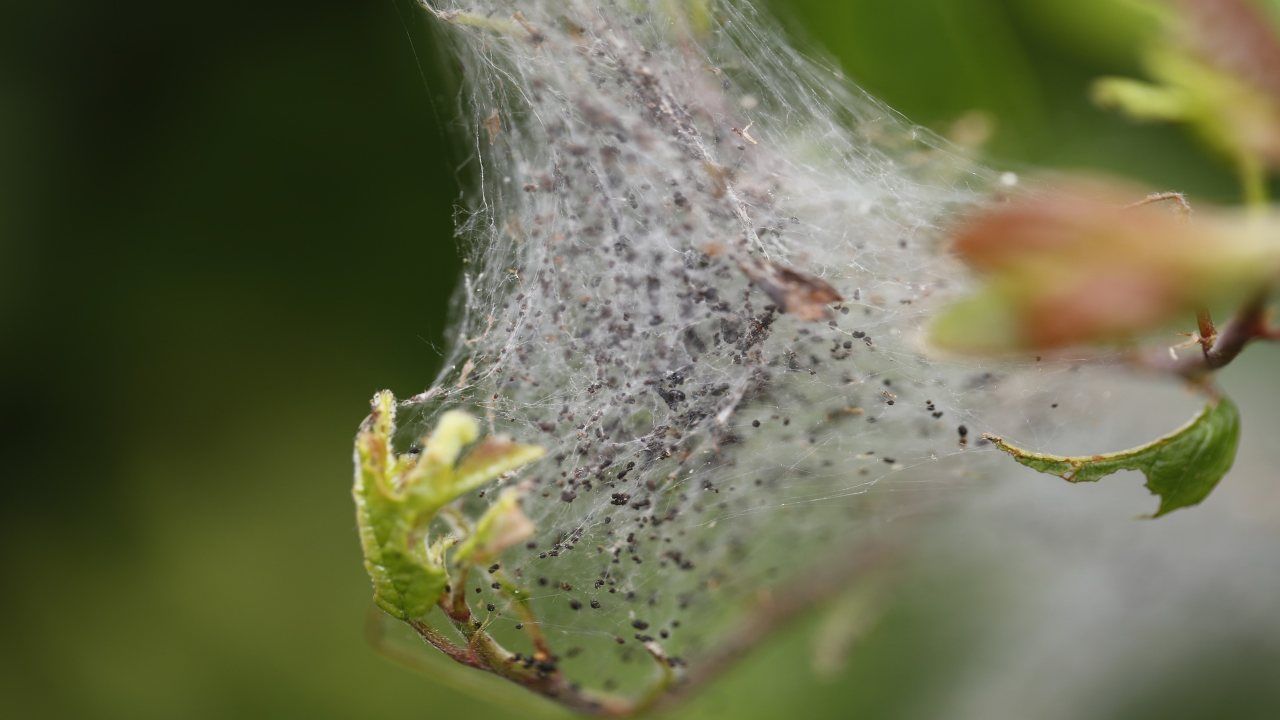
pixel 666 199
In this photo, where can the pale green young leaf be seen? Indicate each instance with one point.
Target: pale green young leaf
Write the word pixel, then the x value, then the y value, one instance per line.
pixel 404 583
pixel 397 496
pixel 491 458
pixel 503 525
pixel 1142 100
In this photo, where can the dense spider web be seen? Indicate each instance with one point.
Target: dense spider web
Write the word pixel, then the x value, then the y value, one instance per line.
pixel 646 191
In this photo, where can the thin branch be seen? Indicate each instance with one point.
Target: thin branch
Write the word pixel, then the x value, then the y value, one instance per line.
pixel 441 643
pixel 771 612
pixel 1224 345
pixel 532 626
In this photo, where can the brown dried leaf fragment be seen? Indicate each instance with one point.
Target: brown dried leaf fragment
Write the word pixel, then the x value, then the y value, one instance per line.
pixel 796 293
pixel 493 125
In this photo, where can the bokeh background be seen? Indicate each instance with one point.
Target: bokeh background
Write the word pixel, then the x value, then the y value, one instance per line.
pixel 200 205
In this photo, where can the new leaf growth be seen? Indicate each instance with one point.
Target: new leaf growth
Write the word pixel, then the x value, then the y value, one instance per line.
pixel 398 495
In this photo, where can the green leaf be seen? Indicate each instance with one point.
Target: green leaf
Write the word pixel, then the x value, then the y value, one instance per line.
pixel 503 525
pixel 1182 468
pixel 397 496
pixel 405 583
pixel 985 323
pixel 1212 77
pixel 1142 101
pixel 489 459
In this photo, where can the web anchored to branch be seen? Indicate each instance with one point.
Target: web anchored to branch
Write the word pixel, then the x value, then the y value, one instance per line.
pixel 698 264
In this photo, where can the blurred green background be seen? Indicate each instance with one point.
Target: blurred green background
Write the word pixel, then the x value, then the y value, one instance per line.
pixel 199 205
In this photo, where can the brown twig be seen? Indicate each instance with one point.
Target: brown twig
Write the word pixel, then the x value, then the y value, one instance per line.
pixel 484 653
pixel 1220 346
pixel 532 626
pixel 1208 331
pixel 441 643
pixel 771 612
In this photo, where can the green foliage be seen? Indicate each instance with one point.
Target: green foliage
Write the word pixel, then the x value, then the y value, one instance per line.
pixel 1233 118
pixel 1211 77
pixel 1092 268
pixel 236 189
pixel 397 497
pixel 500 527
pixel 1182 468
